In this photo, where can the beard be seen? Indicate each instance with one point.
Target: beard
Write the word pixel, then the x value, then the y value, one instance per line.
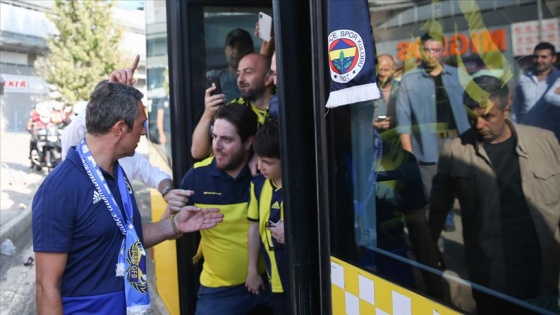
pixel 252 94
pixel 235 161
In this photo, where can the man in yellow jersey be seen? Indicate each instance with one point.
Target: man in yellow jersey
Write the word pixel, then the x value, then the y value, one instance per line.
pixel 256 84
pixel 223 180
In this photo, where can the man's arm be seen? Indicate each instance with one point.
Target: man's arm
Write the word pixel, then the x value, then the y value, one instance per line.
pixel 73 133
pixel 404 116
pixel 139 168
pixel 189 219
pixel 201 144
pixel 49 268
pixel 442 195
pixel 406 142
pixel 553 95
pixel 159 124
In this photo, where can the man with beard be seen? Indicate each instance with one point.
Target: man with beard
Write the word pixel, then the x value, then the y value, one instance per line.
pixel 223 180
pixel 532 104
pixel 384 107
pixel 238 44
pixel 256 83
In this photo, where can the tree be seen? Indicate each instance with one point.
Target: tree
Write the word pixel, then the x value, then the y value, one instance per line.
pixel 84 51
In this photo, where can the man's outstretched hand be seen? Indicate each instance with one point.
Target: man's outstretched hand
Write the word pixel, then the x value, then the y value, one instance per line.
pixel 191 219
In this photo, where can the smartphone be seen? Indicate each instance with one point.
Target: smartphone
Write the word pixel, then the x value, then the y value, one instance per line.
pixel 216 82
pixel 265 26
pixel 381 118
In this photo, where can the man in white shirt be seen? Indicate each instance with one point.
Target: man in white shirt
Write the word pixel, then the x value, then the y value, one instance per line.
pixel 136 166
pixel 534 101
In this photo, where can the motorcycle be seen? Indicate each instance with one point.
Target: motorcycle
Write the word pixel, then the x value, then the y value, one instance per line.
pixel 46 145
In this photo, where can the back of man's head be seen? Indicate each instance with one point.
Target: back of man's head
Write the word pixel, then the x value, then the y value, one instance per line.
pixel 241 117
pixel 109 103
pixel 267 140
pixel 484 88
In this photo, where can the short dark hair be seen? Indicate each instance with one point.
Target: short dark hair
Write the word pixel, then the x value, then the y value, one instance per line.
pixel 109 103
pixel 494 88
pixel 267 140
pixel 432 36
pixel 546 46
pixel 239 36
pixel 241 117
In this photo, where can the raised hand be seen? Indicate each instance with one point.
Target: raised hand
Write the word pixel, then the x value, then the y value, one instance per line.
pixel 125 76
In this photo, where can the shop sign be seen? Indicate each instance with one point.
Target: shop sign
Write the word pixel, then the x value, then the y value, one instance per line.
pixel 463 44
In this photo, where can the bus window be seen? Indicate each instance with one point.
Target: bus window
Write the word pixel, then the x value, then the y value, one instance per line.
pixel 460 228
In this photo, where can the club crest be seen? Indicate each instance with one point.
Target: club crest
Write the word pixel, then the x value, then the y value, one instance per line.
pixel 347 55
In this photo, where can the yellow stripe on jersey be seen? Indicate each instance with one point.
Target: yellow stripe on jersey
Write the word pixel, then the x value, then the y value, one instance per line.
pixel 262 213
pixel 224 247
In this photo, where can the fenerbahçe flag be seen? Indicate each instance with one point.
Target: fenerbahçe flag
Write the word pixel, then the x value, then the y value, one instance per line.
pixel 351 53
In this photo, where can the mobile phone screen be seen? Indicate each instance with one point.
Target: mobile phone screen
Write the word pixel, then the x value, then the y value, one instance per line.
pixel 265 26
pixel 216 82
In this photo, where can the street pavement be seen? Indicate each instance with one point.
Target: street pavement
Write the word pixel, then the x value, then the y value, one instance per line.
pixel 18 183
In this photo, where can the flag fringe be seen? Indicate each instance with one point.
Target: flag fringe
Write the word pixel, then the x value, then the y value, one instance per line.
pixel 352 95
pixel 139 309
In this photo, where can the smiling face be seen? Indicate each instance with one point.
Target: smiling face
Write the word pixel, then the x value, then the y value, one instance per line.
pixel 230 152
pixel 253 77
pixel 543 60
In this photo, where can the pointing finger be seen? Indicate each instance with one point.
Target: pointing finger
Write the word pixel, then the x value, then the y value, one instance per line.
pixel 135 63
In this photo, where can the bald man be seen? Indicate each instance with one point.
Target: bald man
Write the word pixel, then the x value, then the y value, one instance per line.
pixel 256 84
pixel 384 108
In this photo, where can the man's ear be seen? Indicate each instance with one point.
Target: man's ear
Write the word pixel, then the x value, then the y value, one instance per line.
pixel 248 143
pixel 269 79
pixel 120 128
pixel 507 109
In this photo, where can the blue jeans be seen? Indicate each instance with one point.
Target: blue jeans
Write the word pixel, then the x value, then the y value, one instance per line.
pixel 235 300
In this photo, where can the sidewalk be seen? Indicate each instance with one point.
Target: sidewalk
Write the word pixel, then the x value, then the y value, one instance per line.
pixel 18 184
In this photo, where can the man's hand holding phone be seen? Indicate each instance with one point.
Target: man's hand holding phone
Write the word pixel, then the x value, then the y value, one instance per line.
pixel 381 122
pixel 213 96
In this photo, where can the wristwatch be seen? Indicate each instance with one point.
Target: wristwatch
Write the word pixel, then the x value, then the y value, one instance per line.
pixel 166 190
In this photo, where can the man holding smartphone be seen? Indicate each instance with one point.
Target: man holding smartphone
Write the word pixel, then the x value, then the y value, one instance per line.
pixel 238 44
pixel 384 107
pixel 256 84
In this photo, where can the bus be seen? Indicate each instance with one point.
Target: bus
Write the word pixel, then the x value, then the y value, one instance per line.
pixel 345 256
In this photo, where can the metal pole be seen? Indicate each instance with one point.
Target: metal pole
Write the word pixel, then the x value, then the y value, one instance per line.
pixel 540 14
